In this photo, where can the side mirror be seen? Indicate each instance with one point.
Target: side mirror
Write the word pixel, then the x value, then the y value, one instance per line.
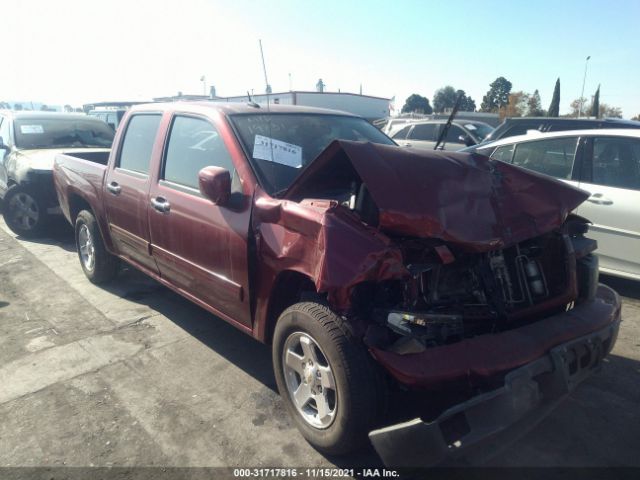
pixel 467 140
pixel 215 184
pixel 3 146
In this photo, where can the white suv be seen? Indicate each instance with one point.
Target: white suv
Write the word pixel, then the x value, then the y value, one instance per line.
pixel 606 163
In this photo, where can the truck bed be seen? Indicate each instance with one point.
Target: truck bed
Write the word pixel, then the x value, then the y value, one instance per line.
pixel 79 175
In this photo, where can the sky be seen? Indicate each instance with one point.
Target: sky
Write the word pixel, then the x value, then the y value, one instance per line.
pixel 82 51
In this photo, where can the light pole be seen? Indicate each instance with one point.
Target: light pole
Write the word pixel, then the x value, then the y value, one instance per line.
pixel 203 79
pixel 584 79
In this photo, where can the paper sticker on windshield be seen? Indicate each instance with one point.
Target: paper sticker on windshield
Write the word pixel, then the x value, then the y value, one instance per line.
pixel 27 129
pixel 470 126
pixel 273 150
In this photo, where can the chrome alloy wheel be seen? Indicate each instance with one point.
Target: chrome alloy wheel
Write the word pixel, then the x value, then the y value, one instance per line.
pixel 87 249
pixel 24 211
pixel 310 381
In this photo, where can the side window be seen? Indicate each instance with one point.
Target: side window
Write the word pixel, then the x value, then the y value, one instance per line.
pixel 552 157
pixel 194 143
pixel 616 162
pixel 503 153
pixel 137 145
pixel 425 131
pixel 402 133
pixel 454 133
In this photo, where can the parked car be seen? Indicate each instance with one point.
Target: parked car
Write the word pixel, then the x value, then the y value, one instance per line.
pixel 366 266
pixel 29 142
pixel 111 116
pixel 425 134
pixel 521 125
pixel 606 163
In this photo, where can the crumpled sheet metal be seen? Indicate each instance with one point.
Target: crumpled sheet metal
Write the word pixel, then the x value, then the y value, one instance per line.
pixel 470 200
pixel 327 243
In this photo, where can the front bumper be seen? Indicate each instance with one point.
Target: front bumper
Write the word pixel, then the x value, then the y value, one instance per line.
pixel 490 420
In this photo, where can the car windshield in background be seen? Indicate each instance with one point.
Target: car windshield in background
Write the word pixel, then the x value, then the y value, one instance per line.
pixel 480 130
pixel 38 133
pixel 281 144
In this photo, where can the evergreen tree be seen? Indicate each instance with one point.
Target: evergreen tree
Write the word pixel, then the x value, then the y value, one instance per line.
pixel 497 96
pixel 595 106
pixel 554 108
pixel 535 105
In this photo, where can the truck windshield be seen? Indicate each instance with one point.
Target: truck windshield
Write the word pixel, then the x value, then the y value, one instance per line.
pixel 39 133
pixel 279 145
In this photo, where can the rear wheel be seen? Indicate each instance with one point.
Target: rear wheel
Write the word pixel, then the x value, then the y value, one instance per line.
pixel 25 212
pixel 328 381
pixel 98 265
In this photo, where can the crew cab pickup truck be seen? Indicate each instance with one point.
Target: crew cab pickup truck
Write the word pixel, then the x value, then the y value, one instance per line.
pixel 29 141
pixel 366 266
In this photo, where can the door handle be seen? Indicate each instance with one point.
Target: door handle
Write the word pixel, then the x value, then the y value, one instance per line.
pixel 599 199
pixel 114 188
pixel 161 204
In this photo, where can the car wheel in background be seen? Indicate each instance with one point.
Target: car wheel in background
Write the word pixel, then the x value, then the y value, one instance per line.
pixel 330 384
pixel 24 212
pixel 98 265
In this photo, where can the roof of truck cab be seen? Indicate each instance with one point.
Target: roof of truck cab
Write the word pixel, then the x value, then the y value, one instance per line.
pixel 230 108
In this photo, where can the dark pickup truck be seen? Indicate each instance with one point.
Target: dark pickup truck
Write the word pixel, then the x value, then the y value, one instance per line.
pixel 367 267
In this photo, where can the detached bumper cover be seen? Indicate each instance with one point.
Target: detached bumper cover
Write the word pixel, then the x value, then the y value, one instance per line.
pixel 530 392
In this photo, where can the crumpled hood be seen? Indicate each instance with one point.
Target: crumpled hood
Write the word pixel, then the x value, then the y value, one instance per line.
pixel 467 199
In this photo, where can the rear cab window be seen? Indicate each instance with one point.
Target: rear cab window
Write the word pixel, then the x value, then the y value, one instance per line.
pixel 137 145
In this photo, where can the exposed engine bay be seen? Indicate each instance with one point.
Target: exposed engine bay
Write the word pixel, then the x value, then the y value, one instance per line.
pixel 453 295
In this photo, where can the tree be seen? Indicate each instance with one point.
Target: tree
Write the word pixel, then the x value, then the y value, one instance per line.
pixel 595 106
pixel 68 108
pixel 576 105
pixel 517 105
pixel 444 98
pixel 607 111
pixel 636 118
pixel 5 105
pixel 497 96
pixel 534 106
pixel 417 103
pixel 554 108
pixel 467 104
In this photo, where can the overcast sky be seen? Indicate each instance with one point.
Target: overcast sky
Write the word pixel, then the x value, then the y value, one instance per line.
pixel 80 51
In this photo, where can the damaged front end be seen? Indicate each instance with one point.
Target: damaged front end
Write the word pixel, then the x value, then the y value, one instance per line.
pixel 458 272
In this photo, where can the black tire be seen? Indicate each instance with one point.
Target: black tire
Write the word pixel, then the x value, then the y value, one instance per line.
pixel 360 393
pixel 25 212
pixel 104 266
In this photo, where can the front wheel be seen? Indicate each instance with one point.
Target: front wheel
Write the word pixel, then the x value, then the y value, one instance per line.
pixel 328 381
pixel 98 265
pixel 25 212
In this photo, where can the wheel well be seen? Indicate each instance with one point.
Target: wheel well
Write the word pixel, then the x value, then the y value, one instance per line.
pixel 289 288
pixel 76 205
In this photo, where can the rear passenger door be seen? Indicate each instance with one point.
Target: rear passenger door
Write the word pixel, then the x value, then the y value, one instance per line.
pixel 200 248
pixel 126 195
pixel 612 176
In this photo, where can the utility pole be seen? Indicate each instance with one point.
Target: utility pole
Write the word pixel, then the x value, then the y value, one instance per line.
pixel 584 79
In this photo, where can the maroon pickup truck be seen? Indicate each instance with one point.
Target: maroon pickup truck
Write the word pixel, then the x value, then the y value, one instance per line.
pixel 367 267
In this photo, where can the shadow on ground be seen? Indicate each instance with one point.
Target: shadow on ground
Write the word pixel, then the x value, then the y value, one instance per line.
pixel 592 412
